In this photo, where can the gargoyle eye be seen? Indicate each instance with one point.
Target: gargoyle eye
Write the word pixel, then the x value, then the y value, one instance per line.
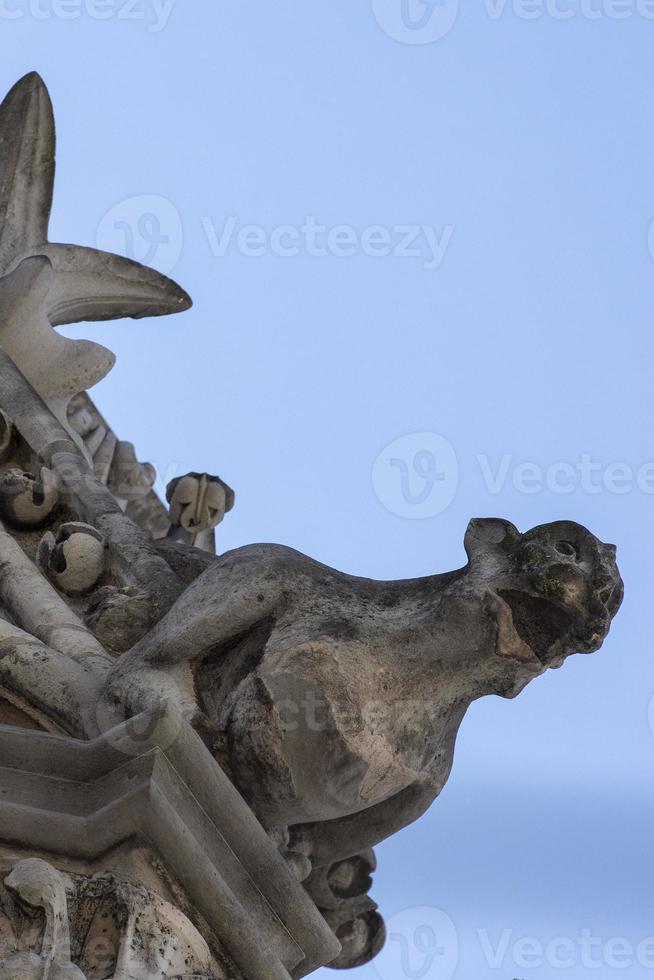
pixel 567 548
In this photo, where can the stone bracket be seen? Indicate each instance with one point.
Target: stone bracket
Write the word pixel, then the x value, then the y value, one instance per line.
pixel 153 779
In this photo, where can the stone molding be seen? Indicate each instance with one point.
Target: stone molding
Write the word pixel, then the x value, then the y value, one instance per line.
pixel 152 780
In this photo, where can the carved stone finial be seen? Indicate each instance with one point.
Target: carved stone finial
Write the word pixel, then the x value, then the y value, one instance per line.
pixel 45 285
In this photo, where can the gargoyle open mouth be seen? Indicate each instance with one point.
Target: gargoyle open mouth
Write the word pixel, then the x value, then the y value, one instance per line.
pixel 550 631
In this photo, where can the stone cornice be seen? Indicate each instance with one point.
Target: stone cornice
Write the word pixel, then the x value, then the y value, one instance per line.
pixel 153 779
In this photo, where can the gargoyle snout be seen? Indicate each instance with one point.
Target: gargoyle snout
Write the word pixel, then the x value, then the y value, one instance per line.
pixel 610 592
pixel 605 592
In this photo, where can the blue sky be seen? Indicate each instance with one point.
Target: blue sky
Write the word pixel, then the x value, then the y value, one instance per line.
pixel 513 159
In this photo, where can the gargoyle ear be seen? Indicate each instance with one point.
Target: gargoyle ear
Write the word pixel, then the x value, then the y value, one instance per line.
pixel 170 489
pixel 486 534
pixel 230 497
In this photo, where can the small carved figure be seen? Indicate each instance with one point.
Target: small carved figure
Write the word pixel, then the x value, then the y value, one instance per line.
pixel 198 504
pixel 108 926
pixel 38 887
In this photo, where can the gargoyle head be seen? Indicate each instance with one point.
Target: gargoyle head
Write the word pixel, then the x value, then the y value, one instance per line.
pixel 551 592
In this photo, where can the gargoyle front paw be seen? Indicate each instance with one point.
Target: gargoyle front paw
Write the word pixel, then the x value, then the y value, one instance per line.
pixel 128 696
pixel 133 692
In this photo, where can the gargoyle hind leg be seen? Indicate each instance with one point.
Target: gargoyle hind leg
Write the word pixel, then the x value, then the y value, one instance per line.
pixel 330 841
pixel 230 598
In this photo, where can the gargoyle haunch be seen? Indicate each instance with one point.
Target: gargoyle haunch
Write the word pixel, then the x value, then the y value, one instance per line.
pixel 340 698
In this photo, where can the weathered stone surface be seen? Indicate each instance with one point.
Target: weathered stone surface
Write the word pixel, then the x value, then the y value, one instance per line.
pixel 325 707
pixel 198 504
pixel 151 781
pixel 7 438
pixel 132 558
pixel 27 500
pixel 116 465
pixel 48 285
pixel 36 887
pixel 341 893
pixel 341 698
pixel 50 921
pixel 74 559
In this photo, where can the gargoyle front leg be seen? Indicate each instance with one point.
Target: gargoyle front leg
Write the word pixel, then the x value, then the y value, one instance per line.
pixel 330 841
pixel 230 598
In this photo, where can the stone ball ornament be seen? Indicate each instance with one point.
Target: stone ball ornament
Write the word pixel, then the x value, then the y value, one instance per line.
pixel 26 500
pixel 74 558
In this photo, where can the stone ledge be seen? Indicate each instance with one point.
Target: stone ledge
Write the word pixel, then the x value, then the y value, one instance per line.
pixel 152 779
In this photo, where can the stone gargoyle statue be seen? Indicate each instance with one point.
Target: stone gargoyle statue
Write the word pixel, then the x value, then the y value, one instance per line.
pixel 335 701
pixel 332 702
